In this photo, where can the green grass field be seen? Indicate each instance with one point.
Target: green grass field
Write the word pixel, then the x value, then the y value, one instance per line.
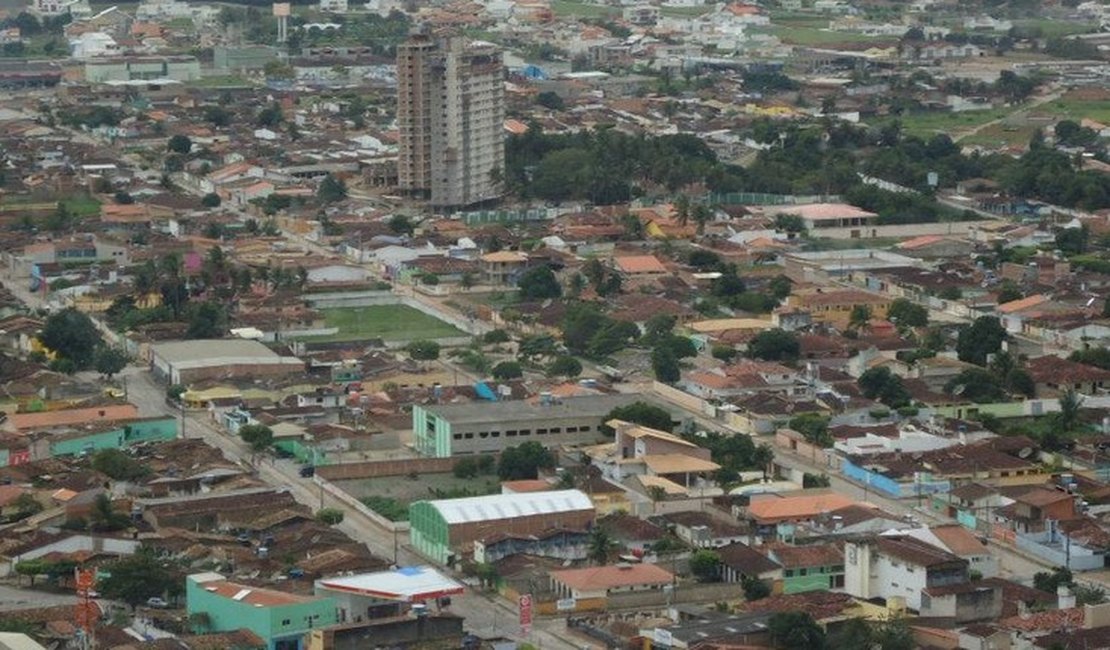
pixel 926 124
pixel 1052 28
pixel 685 12
pixel 813 36
pixel 388 322
pixel 571 8
pixel 1076 109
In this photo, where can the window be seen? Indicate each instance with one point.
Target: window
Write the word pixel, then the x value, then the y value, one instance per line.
pixel 285 621
pixel 540 432
pixel 572 429
pixel 483 434
pixel 495 434
pixel 511 433
pixel 802 572
pixel 457 436
pixel 556 430
pixel 584 428
pixel 469 436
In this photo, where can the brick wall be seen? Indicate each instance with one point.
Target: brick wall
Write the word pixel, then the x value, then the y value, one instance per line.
pixel 378 468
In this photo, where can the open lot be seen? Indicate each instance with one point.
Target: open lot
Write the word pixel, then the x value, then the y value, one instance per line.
pixel 570 8
pixel 388 322
pixel 390 496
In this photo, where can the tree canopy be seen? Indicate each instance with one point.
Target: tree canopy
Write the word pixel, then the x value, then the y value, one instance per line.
pixel 72 335
pixel 137 578
pixel 539 283
pixel 524 461
pixel 774 345
pixel 982 338
pixel 643 413
pixel 258 436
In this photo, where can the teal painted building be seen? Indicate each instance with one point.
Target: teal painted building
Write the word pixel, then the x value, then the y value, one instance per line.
pixel 816 567
pixel 114 435
pixel 281 619
pixel 483 427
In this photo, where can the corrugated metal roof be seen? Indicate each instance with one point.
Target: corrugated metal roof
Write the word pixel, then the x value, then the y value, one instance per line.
pixel 507 506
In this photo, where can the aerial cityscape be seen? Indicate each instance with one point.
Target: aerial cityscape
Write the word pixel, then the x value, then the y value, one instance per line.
pixel 554 325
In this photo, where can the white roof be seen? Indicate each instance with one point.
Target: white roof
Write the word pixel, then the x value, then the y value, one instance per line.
pixel 507 506
pixel 408 584
pixel 18 641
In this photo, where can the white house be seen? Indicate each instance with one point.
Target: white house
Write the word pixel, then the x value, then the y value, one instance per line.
pixel 92 45
pixel 899 566
pixel 910 440
pixel 960 542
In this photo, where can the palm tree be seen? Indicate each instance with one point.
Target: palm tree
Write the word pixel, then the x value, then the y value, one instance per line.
pixel 859 318
pixel 600 544
pixel 682 208
pixel 1068 417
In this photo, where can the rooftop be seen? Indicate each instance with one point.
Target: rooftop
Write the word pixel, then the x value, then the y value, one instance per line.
pixel 407 584
pixel 256 596
pixel 508 506
pixel 483 411
pixel 612 577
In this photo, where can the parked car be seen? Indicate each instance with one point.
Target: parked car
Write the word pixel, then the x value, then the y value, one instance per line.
pixel 156 603
pixel 308 471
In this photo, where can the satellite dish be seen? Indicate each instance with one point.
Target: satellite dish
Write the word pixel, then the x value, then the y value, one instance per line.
pixel 1025 452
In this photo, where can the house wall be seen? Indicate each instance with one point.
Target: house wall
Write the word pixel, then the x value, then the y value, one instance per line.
pixel 437 436
pixel 272 624
pixel 815 579
pixel 869 574
pixel 1060 553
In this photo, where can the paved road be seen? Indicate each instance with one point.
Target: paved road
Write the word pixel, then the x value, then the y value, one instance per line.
pixel 487 617
pixel 12 598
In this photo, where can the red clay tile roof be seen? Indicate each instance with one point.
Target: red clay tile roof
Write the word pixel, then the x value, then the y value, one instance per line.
pixel 1047 621
pixel 1051 369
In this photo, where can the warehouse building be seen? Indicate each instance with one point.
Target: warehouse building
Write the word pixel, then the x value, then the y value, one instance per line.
pixel 444 531
pixel 481 427
pixel 184 362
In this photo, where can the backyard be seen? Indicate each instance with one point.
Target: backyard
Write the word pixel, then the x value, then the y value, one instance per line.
pixel 387 322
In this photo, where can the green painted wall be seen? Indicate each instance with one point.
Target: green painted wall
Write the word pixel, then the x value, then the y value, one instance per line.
pixel 287 623
pixel 4 457
pixel 434 441
pixel 815 579
pixel 999 410
pixel 429 532
pixel 94 441
pixel 154 429
pixel 158 429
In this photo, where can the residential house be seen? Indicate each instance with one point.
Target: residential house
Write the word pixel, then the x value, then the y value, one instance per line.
pixel 642 451
pixel 502 267
pixel 813 567
pixel 835 306
pixel 1053 375
pixel 740 561
pixel 281 619
pixel 960 542
pixel 897 566
pixel 599 583
pixel 702 530
pixel 1035 509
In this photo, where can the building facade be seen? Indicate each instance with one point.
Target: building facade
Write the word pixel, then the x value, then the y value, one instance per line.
pixel 445 530
pixel 481 427
pixel 451 113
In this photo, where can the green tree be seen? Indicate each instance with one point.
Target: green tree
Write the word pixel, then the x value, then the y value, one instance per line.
pixel 401 224
pixel 207 320
pixel 211 200
pixel 600 546
pixel 524 461
pixel 883 385
pixel 137 578
pixel 859 317
pixel 725 353
pixel 180 144
pixel 1072 241
pixel 853 633
pixel 564 366
pixel 795 630
pixel 539 283
pixel 552 100
pixel 754 588
pixel 665 365
pixel 104 517
pixel 258 436
pixel 109 361
pixel 270 116
pixel 982 338
pixel 705 565
pixel 423 350
pixel 72 335
pixel 1049 581
pixel 330 516
pixel 1068 417
pixel 331 190
pixel 814 427
pixel 642 413
pixel 507 370
pixel 118 465
pixel 774 345
pixel 907 313
pixel 790 224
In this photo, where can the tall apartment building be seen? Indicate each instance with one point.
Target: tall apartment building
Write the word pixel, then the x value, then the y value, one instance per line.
pixel 451 114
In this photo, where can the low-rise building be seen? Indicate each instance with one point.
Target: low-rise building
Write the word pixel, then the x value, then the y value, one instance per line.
pixel 368 596
pixel 897 566
pixel 599 583
pixel 281 619
pixel 184 362
pixel 445 530
pixel 484 426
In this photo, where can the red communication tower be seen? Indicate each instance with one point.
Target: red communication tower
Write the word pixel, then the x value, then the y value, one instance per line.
pixel 87 610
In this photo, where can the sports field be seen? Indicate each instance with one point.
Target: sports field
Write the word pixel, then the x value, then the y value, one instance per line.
pixel 388 322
